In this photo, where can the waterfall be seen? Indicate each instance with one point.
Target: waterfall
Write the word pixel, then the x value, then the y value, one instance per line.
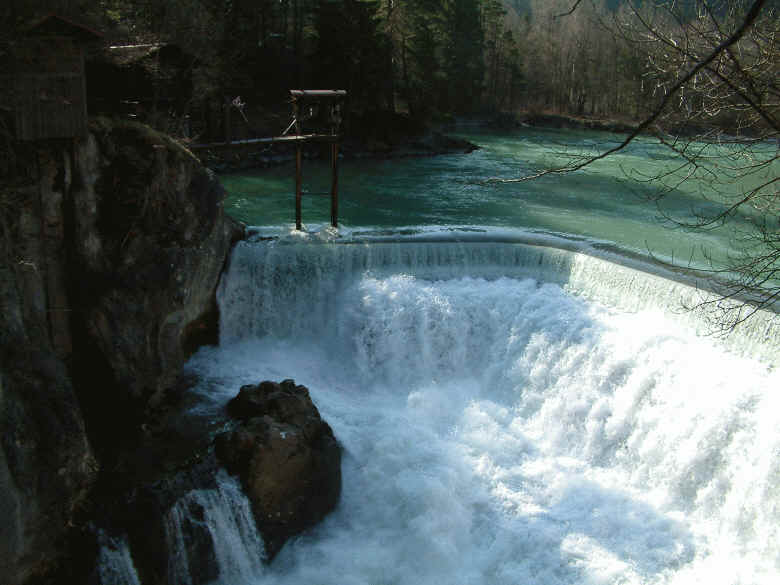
pixel 212 537
pixel 115 565
pixel 512 413
pixel 268 283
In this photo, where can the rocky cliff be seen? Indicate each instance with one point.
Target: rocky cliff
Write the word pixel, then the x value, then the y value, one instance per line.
pixel 112 246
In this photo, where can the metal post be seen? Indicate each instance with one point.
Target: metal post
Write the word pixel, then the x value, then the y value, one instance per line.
pixel 303 98
pixel 334 187
pixel 298 164
pixel 298 184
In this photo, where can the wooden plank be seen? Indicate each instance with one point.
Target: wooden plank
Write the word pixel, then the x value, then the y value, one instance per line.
pixel 318 94
pixel 269 140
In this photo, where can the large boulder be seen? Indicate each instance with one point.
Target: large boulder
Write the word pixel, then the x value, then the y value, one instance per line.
pixel 286 456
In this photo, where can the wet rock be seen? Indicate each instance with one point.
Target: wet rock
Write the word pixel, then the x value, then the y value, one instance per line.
pixel 284 402
pixel 286 456
pixel 166 530
pixel 47 468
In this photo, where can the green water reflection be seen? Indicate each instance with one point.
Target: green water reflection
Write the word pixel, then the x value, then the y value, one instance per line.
pixel 600 202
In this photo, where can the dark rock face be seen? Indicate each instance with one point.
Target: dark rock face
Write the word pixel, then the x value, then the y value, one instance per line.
pixel 46 465
pixel 108 268
pixel 151 239
pixel 286 456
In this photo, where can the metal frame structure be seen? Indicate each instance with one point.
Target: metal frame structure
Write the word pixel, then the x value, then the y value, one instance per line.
pixel 307 105
pixel 317 117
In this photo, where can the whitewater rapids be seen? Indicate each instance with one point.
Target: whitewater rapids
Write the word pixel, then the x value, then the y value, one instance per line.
pixel 510 414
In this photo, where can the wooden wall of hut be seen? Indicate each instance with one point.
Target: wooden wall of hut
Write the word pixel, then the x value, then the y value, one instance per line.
pixel 49 87
pixel 49 92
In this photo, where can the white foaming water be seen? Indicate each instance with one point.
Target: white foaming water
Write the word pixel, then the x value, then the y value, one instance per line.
pixel 511 414
pixel 270 284
pixel 225 515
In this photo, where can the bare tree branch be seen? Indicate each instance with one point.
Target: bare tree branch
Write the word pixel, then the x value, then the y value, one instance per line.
pixel 573 8
pixel 747 22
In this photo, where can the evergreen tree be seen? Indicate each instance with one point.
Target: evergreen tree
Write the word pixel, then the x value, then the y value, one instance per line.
pixel 463 63
pixel 352 52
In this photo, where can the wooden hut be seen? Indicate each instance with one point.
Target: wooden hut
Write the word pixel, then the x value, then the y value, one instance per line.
pixel 48 80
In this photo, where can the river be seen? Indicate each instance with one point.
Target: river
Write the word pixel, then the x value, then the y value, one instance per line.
pixel 602 204
pixel 519 396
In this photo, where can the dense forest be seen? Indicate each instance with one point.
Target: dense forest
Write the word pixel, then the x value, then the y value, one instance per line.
pixel 437 58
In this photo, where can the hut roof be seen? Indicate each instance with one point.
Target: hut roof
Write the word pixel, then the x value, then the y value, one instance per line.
pixel 56 25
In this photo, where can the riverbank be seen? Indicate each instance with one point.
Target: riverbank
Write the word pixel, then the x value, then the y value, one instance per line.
pixel 376 135
pixel 564 122
pixel 231 158
pixel 506 121
pixel 679 127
